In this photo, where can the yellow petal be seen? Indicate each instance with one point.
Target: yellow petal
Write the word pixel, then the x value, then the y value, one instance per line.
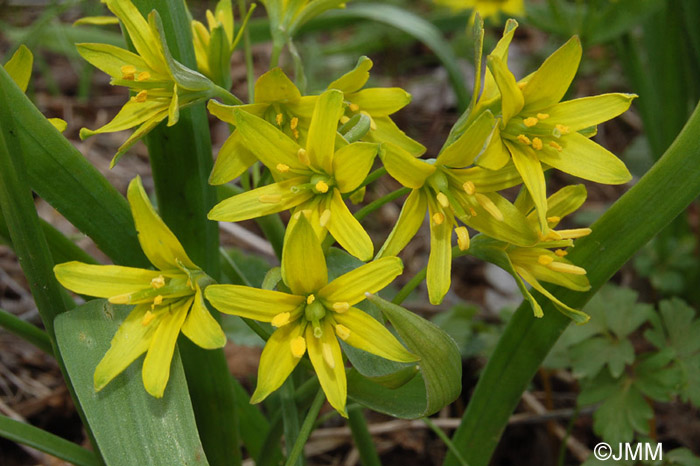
pixel 369 335
pixel 440 259
pixel 512 100
pixel 549 83
pixel 59 124
pixel 385 130
pixel 409 222
pixel 276 361
pixel 379 101
pixel 233 160
pixel 320 144
pixel 490 91
pixel 252 303
pixel 354 80
pixel 574 314
pixel 201 327
pixel 585 159
pixel 404 168
pixel 486 181
pixel 369 278
pixel 303 108
pixel 19 67
pixel 269 199
pixel 470 144
pixel 514 228
pixel 140 132
pixel 565 201
pixel 131 114
pixel 352 163
pixel 111 59
pixel 579 114
pixel 156 364
pixel 96 21
pixel 530 169
pixel 103 281
pixel 275 87
pixel 227 112
pixel 174 108
pixel 131 341
pixel 303 263
pixel 347 230
pixel 327 360
pixel 495 155
pixel 157 241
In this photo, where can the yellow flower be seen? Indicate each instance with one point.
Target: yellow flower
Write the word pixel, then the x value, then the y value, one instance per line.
pixel 487 8
pixel 314 315
pixel 161 85
pixel 277 101
pixel 214 44
pixel 377 103
pixel 287 16
pixel 167 300
pixel 449 191
pixel 311 178
pixel 536 128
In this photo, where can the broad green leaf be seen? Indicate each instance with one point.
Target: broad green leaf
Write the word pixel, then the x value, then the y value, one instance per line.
pixel 130 426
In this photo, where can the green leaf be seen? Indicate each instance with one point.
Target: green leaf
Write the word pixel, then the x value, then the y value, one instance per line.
pixel 591 355
pixel 655 378
pixel 628 315
pixel 683 457
pixel 47 442
pixel 130 426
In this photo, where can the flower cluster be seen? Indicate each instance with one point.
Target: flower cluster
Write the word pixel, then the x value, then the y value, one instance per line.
pixel 318 151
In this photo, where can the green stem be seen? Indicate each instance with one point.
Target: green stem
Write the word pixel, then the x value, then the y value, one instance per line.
pixel 377 203
pixel 445 439
pixel 290 418
pixel 277 46
pixel 26 331
pixel 248 52
pixel 299 75
pixel 306 429
pixel 616 237
pixel 362 437
pixel 410 286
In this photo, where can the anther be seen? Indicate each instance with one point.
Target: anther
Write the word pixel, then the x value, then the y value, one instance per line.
pixel 143 76
pixel 295 132
pixel 298 345
pixel 545 260
pixel 321 186
pixel 442 199
pixel 438 218
pixel 575 233
pixel 344 119
pixel 294 123
pixel 543 116
pixel 128 72
pixel 489 206
pixel 341 306
pixel 342 331
pixel 522 85
pixel 282 167
pixel 560 252
pixel 310 299
pixel 158 300
pixel 147 318
pixel 141 96
pixel 469 187
pixel 537 143
pixel 524 139
pixel 270 198
pixel 280 319
pixel 303 156
pixel 553 219
pixel 472 211
pixel 354 107
pixel 530 121
pixel 563 267
pixel 462 238
pixel 158 282
pixel 328 355
pixel 555 145
pixel 552 235
pixel 279 118
pixel 562 128
pixel 325 218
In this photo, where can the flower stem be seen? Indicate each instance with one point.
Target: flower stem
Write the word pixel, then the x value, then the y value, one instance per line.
pixel 248 52
pixel 362 437
pixel 377 203
pixel 26 331
pixel 445 439
pixel 294 457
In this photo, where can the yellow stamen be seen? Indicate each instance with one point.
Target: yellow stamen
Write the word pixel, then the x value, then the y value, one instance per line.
pixel 543 116
pixel 321 186
pixel 341 306
pixel 438 218
pixel 325 218
pixel 328 355
pixel 294 123
pixel 555 145
pixel 141 96
pixel 472 211
pixel 342 331
pixel 158 300
pixel 545 260
pixel 563 267
pixel 158 282
pixel 442 199
pixel 310 299
pixel 303 156
pixel 295 132
pixel 489 206
pixel 143 76
pixel 575 233
pixel 524 139
pixel 462 238
pixel 560 252
pixel 530 121
pixel 128 71
pixel 344 119
pixel 280 319
pixel 298 345
pixel 552 235
pixel 279 118
pixel 270 198
pixel 553 219
pixel 521 86
pixel 469 187
pixel 372 124
pixel 120 299
pixel 562 128
pixel 282 167
pixel 537 143
pixel 147 318
pixel 354 107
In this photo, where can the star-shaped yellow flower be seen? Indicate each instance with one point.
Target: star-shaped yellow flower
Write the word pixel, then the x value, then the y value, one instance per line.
pixel 314 315
pixel 167 300
pixel 308 178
